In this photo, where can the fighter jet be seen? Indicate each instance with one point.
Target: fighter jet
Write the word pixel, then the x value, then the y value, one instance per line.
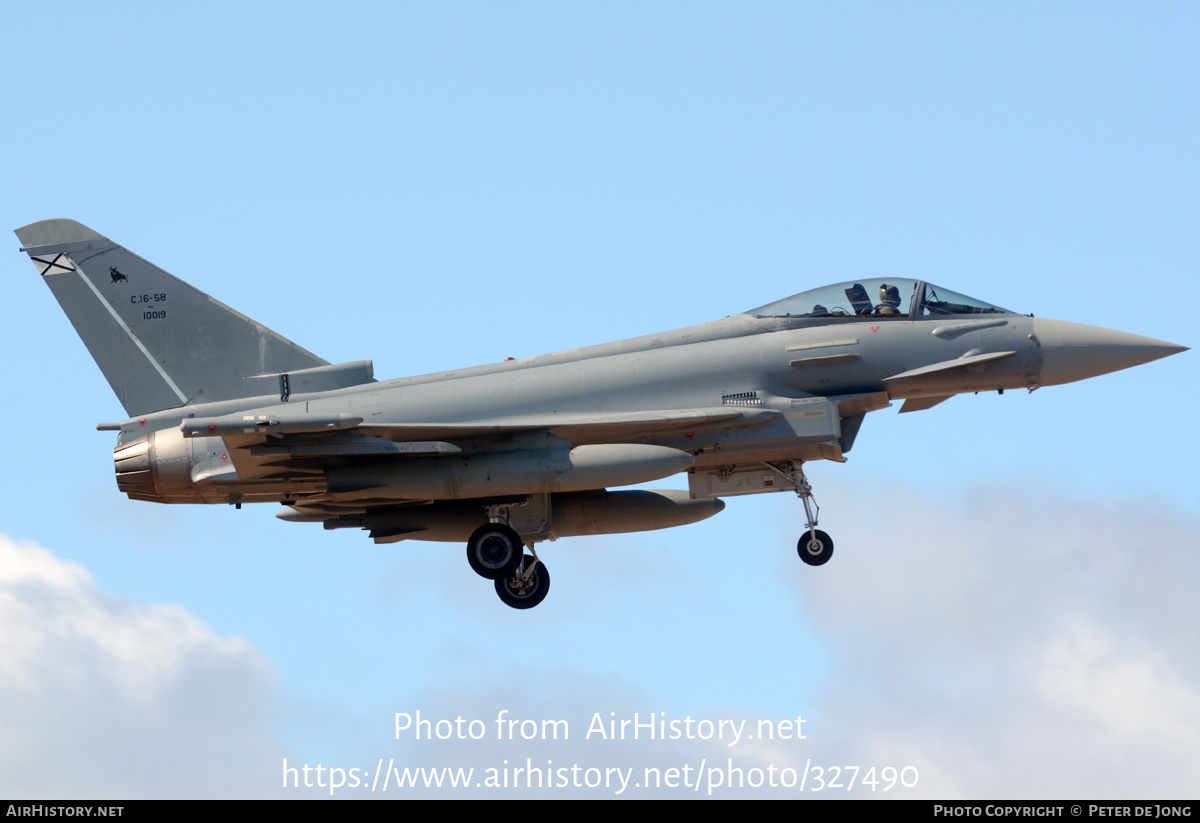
pixel 505 456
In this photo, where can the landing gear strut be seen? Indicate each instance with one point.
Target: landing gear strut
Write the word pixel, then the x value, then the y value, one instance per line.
pixel 815 547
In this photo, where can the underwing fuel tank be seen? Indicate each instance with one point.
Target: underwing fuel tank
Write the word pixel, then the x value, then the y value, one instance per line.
pixel 574 514
pixel 531 471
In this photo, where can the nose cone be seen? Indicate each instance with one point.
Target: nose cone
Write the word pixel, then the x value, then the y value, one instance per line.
pixel 1073 351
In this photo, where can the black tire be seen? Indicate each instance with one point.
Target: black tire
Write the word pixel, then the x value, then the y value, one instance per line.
pixel 525 594
pixel 494 551
pixel 815 548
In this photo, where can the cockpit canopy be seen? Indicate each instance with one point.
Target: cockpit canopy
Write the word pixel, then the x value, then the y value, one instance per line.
pixel 878 297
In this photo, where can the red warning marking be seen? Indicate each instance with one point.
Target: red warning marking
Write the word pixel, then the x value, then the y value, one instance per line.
pixel 142 420
pixel 212 427
pixel 874 329
pixel 690 435
pixel 224 456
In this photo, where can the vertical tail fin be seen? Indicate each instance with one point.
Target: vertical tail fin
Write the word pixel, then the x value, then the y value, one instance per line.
pixel 160 342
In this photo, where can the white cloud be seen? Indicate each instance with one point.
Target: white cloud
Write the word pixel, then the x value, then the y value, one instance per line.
pixel 1086 672
pixel 1015 646
pixel 104 698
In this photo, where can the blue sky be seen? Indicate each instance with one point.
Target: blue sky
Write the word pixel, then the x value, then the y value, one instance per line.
pixel 440 185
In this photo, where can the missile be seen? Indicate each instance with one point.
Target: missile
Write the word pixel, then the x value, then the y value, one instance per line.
pixel 276 424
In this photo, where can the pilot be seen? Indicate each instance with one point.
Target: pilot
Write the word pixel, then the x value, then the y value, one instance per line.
pixel 889 300
pixel 819 311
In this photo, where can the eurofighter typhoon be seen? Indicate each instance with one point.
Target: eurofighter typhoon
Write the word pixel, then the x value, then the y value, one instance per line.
pixel 502 457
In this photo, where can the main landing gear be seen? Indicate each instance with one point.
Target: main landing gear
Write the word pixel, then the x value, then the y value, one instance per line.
pixel 815 547
pixel 496 552
pixel 528 585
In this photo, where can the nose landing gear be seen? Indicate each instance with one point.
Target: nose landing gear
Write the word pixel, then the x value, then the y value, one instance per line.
pixel 815 547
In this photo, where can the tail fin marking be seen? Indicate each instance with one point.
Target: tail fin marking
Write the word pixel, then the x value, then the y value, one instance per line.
pixel 160 342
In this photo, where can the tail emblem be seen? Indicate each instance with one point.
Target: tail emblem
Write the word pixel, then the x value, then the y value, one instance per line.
pixel 57 264
pixel 117 277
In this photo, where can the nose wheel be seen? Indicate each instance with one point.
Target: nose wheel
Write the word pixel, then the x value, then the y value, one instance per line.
pixel 815 547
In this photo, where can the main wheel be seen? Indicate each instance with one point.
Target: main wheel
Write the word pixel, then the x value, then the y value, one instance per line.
pixel 494 551
pixel 525 592
pixel 815 547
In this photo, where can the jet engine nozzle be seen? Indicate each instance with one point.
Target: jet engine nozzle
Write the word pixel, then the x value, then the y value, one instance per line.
pixel 156 468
